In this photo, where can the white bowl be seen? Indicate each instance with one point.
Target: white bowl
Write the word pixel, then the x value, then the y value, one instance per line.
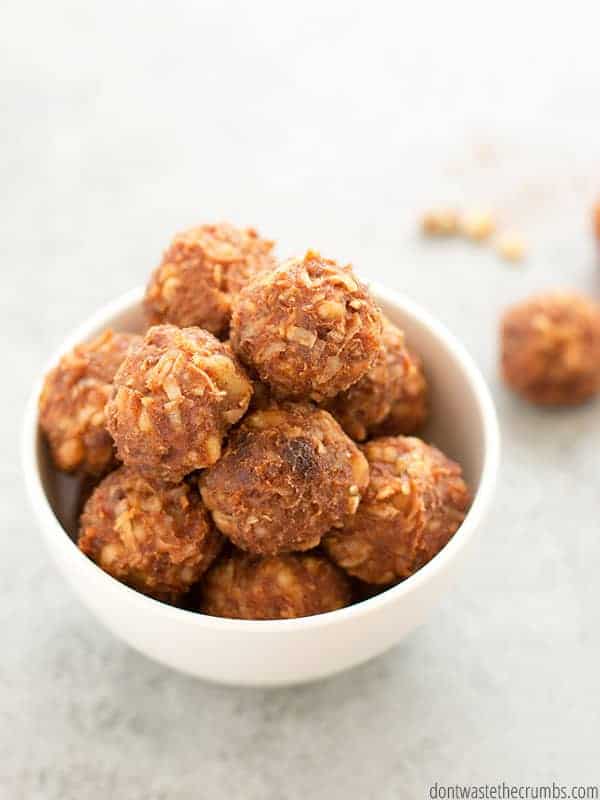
pixel 279 652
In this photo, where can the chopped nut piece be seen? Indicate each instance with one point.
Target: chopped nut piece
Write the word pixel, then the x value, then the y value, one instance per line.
pixel 414 504
pixel 551 348
pixel 331 309
pixel 477 225
pixel 306 304
pixel 288 474
pixel 174 397
pixel 202 271
pixel 441 222
pixel 301 336
pixel 390 399
pixel 511 247
pixel 155 537
pixel 73 399
pixel 243 586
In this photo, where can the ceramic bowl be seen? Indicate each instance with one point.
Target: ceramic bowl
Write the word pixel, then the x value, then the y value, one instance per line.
pixel 280 652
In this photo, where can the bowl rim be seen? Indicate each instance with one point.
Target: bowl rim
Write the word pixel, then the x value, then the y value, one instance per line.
pixel 60 541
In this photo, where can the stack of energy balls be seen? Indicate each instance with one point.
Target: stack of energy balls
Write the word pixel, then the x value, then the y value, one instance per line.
pixel 262 466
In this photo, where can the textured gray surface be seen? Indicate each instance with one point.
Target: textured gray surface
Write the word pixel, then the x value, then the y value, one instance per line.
pixel 121 122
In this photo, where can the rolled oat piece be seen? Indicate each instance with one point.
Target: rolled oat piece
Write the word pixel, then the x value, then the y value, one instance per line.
pixel 309 329
pixel 73 399
pixel 157 538
pixel 390 399
pixel 174 397
pixel 415 503
pixel 202 271
pixel 243 586
pixel 289 473
pixel 550 347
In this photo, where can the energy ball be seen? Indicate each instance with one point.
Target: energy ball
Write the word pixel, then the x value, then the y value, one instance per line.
pixel 410 409
pixel 202 271
pixel 309 329
pixel 551 348
pixel 173 399
pixel 155 537
pixel 73 399
pixel 289 474
pixel 390 398
pixel 243 586
pixel 415 502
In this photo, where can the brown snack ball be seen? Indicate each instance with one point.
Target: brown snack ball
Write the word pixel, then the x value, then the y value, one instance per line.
pixel 391 396
pixel 202 271
pixel 288 475
pixel 410 408
pixel 73 399
pixel 415 503
pixel 174 397
pixel 156 537
pixel 309 329
pixel 243 586
pixel 551 348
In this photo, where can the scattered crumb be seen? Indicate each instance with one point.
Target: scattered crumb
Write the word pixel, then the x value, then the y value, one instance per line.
pixel 477 225
pixel 480 225
pixel 440 222
pixel 510 246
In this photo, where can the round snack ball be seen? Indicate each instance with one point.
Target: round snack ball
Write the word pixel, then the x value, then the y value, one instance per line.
pixel 392 395
pixel 174 397
pixel 156 537
pixel 73 400
pixel 551 348
pixel 415 502
pixel 243 586
pixel 309 329
pixel 203 269
pixel 288 475
pixel 410 408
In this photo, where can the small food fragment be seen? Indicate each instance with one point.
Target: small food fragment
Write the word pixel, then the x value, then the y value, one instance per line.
pixel 440 222
pixel 243 586
pixel 415 503
pixel 477 225
pixel 289 474
pixel 73 400
pixel 392 396
pixel 510 247
pixel 309 329
pixel 202 271
pixel 155 537
pixel 174 397
pixel 596 221
pixel 551 348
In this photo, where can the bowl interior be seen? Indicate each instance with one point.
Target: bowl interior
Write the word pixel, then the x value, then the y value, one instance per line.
pixel 458 396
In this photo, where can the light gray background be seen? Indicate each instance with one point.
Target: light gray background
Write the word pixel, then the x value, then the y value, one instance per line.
pixel 332 127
